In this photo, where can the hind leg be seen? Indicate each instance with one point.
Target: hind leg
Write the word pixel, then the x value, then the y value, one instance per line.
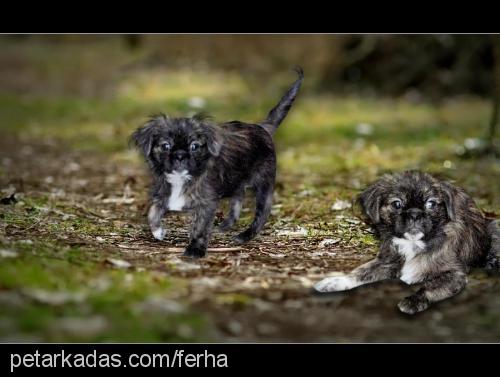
pixel 234 212
pixel 264 200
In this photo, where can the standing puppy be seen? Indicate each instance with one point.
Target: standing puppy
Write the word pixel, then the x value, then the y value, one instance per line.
pixel 431 232
pixel 196 163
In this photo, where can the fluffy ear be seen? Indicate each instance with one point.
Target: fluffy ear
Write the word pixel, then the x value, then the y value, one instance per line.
pixel 370 201
pixel 214 140
pixel 451 195
pixel 144 136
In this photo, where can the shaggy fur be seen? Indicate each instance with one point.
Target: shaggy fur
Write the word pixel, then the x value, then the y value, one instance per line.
pixel 196 163
pixel 431 232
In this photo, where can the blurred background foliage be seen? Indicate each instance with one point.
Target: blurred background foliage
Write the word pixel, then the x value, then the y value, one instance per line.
pixel 431 65
pixel 370 104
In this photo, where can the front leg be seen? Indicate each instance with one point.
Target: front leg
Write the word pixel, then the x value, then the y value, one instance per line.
pixel 439 288
pixel 155 214
pixel 203 219
pixel 375 270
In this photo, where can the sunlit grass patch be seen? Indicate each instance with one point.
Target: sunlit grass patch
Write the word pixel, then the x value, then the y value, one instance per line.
pixel 181 85
pixel 391 122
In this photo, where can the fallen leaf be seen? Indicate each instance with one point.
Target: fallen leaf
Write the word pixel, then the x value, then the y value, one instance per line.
pixel 120 263
pixel 11 299
pixel 340 205
pixel 181 265
pixel 210 249
pixel 266 328
pixel 196 102
pixel 53 297
pixel 4 253
pixel 83 327
pixel 262 305
pixel 299 231
pixel 184 330
pixel 234 327
pixel 205 281
pixel 352 221
pixel 473 143
pixel 305 193
pixel 364 129
pixel 276 255
pixel 329 241
pixel 123 246
pixel 322 254
pixel 160 305
pixel 119 200
pixel 71 167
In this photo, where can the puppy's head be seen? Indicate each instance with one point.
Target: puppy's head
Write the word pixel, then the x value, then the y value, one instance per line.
pixel 178 144
pixel 410 204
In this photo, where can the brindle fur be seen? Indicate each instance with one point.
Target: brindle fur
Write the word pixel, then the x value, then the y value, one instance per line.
pixel 231 157
pixel 456 235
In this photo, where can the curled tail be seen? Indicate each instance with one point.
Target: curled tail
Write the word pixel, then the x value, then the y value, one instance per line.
pixel 493 261
pixel 279 112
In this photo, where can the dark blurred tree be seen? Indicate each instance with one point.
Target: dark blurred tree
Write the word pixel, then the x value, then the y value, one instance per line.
pixel 133 41
pixel 490 139
pixel 435 65
pixel 19 37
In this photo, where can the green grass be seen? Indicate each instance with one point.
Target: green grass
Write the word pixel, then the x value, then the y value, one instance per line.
pixel 319 136
pixel 51 268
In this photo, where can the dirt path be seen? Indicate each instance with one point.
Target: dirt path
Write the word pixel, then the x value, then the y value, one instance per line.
pixel 259 293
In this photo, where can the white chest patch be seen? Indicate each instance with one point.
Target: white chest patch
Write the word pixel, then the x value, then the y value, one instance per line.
pixel 177 200
pixel 409 247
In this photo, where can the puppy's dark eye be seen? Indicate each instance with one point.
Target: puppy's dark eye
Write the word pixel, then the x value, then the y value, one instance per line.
pixel 195 146
pixel 165 146
pixel 396 204
pixel 430 204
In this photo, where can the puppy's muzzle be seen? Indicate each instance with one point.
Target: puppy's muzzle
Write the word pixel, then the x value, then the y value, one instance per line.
pixel 415 214
pixel 414 217
pixel 180 155
pixel 179 159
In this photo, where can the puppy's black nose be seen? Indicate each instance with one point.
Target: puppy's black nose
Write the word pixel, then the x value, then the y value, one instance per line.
pixel 414 213
pixel 180 155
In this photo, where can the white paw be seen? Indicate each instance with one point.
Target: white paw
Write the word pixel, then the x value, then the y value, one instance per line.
pixel 336 283
pixel 159 233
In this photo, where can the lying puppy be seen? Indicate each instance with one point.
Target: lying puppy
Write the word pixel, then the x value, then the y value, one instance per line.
pixel 195 164
pixel 431 232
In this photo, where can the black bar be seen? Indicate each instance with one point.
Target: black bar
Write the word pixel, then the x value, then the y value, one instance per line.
pixel 332 359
